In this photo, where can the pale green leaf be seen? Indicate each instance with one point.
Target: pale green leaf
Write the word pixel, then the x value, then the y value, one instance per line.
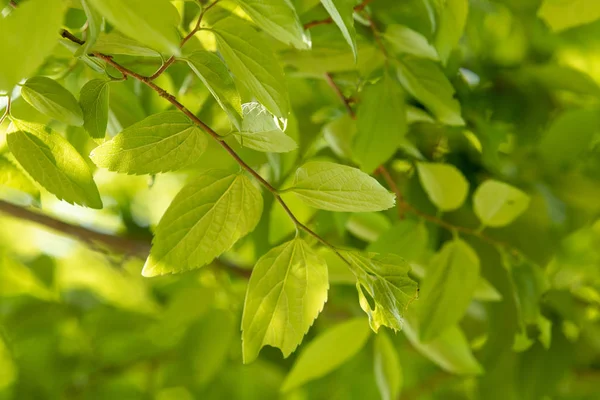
pixel 327 352
pixel 381 124
pixel 253 64
pixel 151 22
pixel 12 177
pixel 340 134
pixel 8 368
pixel 565 14
pixel 447 289
pixel 426 82
pixel 451 25
pixel 404 40
pixel 286 292
pixel 445 185
pixel 54 163
pixel 17 279
pixel 407 239
pixel 341 12
pixel 214 74
pixel 367 226
pixel 116 43
pixel 485 291
pixel 388 371
pixel 27 37
pixel 204 220
pixel 384 288
pixel 498 204
pixel 414 115
pixel 162 142
pixel 94 28
pixel 450 350
pixel 279 19
pixel 93 100
pixel 50 98
pixel 260 131
pixel 337 187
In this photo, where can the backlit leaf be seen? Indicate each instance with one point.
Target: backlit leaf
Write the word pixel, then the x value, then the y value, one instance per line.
pixel 260 131
pixel 388 371
pixel 498 204
pixel 445 185
pixel 341 11
pixel 453 17
pixel 406 41
pixel 93 100
pixel 94 25
pixel 12 177
pixel 50 98
pixel 116 43
pixel 565 14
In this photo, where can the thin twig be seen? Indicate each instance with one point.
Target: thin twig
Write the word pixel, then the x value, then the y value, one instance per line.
pixel 339 93
pixel 329 20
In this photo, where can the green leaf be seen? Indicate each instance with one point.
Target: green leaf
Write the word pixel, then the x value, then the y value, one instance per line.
pixel 565 14
pixel 404 40
pixel 116 43
pixel 498 204
pixel 279 19
pixel 381 124
pixel 27 36
pixel 54 163
pixel 336 187
pixel 447 289
pixel 407 239
pixel 388 371
pixel 445 185
pixel 340 134
pixel 450 350
pixel 286 292
pixel 384 288
pixel 253 64
pixel 204 220
pixel 12 177
pixel 94 28
pixel 451 25
pixel 93 100
pixel 426 82
pixel 163 142
pixel 214 74
pixel 151 22
pixel 342 14
pixel 50 98
pixel 327 352
pixel 260 131
pixel 16 279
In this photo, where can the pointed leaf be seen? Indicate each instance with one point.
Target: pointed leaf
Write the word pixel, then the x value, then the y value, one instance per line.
pixel 279 19
pixel 162 142
pixel 447 288
pixel 260 131
pixel 204 220
pixel 93 100
pixel 152 22
pixel 445 185
pixel 384 288
pixel 451 25
pixel 327 352
pixel 94 27
pixel 404 40
pixel 286 292
pixel 253 64
pixel 116 43
pixel 336 187
pixel 381 124
pixel 12 177
pixel 565 14
pixel 50 98
pixel 498 204
pixel 214 74
pixel 54 163
pixel 388 371
pixel 341 12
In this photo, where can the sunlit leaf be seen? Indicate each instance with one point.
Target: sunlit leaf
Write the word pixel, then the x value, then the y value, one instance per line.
pixel 14 178
pixel 116 43
pixel 444 183
pixel 93 100
pixel 50 98
pixel 341 11
pixel 406 41
pixel 261 131
pixel 453 18
pixel 565 14
pixel 498 204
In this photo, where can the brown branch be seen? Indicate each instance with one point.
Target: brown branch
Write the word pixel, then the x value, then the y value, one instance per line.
pixel 339 93
pixel 329 20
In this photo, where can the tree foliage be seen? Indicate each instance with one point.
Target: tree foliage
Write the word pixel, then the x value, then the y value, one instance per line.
pixel 299 199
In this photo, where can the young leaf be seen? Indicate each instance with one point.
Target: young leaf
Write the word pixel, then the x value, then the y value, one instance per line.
pixel 445 185
pixel 498 204
pixel 383 283
pixel 12 177
pixel 286 292
pixel 342 14
pixel 151 22
pixel 54 163
pixel 27 37
pixel 214 74
pixel 93 100
pixel 561 15
pixel 447 289
pixel 163 142
pixel 426 81
pixel 336 187
pixel 327 352
pixel 116 43
pixel 204 220
pixel 381 124
pixel 407 239
pixel 279 19
pixel 453 17
pixel 388 371
pixel 253 64
pixel 404 40
pixel 94 25
pixel 260 131
pixel 50 98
